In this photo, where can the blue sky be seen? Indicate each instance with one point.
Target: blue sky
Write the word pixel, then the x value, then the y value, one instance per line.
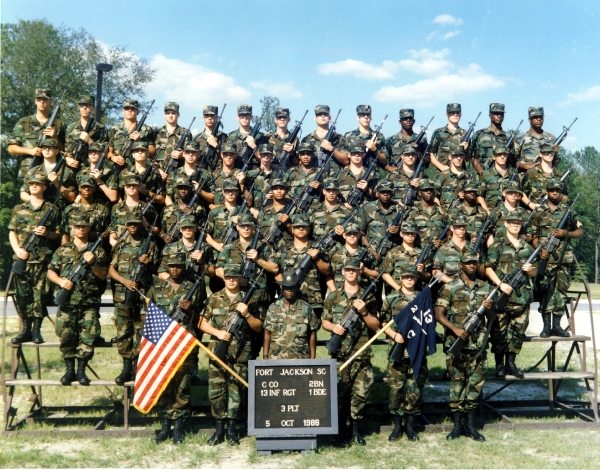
pixel 388 54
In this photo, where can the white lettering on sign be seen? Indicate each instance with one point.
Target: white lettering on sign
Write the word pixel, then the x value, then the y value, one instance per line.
pixel 295 371
pixel 287 423
pixel 264 371
pixel 316 383
pixel 289 392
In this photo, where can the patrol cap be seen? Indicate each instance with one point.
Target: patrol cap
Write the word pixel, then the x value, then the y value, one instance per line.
pixel 187 220
pixel 265 148
pixel 426 183
pixel 232 270
pixel 282 112
pixel 210 109
pixel 95 147
pixel 331 183
pixel 50 143
pixel 192 146
pixel 322 108
pixel 230 184
pixel 384 185
pixel 363 109
pixel 245 219
pixel 514 215
pixel 554 183
pixel 290 279
pixel 351 262
pixel 408 149
pixel 497 108
pixel 500 148
pixel 244 109
pixel 176 258
pixel 300 220
pixel 459 220
pixel 133 217
pixel 279 182
pixel 139 145
pixel 468 256
pixel 356 145
pixel 352 228
pixel 80 219
pixel 85 180
pixel 183 181
pixel 228 147
pixel 306 147
pixel 547 147
pixel 471 186
pixel 408 226
pixel 407 113
pixel 45 93
pixel 409 270
pixel 536 111
pixel 512 186
pixel 87 99
pixel 457 150
pixel 129 103
pixel 453 108
pixel 172 105
pixel 132 178
pixel 37 178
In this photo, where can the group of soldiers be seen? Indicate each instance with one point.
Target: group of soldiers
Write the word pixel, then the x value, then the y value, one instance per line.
pixel 258 240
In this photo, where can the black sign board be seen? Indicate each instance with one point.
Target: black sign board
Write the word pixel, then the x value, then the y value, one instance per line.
pixel 292 397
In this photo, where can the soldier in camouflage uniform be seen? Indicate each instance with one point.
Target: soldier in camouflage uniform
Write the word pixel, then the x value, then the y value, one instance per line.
pixel 447 258
pixel 329 215
pixel 271 213
pixel 174 402
pixel 262 177
pixel 351 248
pixel 210 136
pixel 471 210
pixel 105 177
pixel 127 256
pixel 404 255
pixel 336 144
pixel 450 183
pixel 484 140
pixel 122 132
pixel 534 180
pixel 290 324
pixel 493 179
pixel 241 135
pixel 32 291
pixel 227 171
pixel 278 138
pixel 353 175
pixel 456 301
pixel 297 177
pixel 153 188
pixel 406 390
pixel 428 217
pixel 170 231
pixel 407 136
pixel 527 144
pixel 355 381
pixel 28 130
pixel 512 196
pixel 558 272
pixel 75 132
pixel 404 175
pixel 225 393
pixel 78 321
pixel 445 137
pixel 506 256
pixel 169 135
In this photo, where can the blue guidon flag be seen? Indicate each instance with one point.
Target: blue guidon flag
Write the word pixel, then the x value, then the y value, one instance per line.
pixel 416 322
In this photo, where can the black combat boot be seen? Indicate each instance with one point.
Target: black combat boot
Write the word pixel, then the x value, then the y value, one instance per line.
pixel 356 436
pixel 36 333
pixel 125 375
pixel 81 377
pixel 134 362
pixel 70 375
pixel 178 434
pixel 557 329
pixel 411 434
pixel 25 335
pixel 457 429
pixel 546 330
pixel 471 427
pixel 500 370
pixel 219 436
pixel 397 431
pixel 165 431
pixel 511 367
pixel 232 436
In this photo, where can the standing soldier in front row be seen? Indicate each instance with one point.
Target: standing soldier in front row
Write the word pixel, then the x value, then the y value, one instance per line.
pixel 78 322
pixel 355 381
pixel 456 301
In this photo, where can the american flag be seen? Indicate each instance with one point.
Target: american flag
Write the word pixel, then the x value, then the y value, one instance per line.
pixel 165 345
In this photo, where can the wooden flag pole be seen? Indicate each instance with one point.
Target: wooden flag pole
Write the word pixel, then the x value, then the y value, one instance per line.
pixel 366 345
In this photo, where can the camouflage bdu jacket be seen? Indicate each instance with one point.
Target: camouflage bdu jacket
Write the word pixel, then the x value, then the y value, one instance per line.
pixel 219 220
pixel 165 143
pixel 459 299
pixel 337 141
pixel 544 221
pixel 447 258
pixel 97 133
pixel 534 182
pixel 475 218
pixel 167 298
pixel 178 172
pixel 393 304
pixel 398 257
pixel 337 258
pixel 498 224
pixel 325 219
pixel 25 219
pixel 483 144
pixel 234 253
pixel 201 139
pixel 527 145
pixel 124 260
pixel 26 133
pixel 336 305
pixel 218 177
pixel 273 138
pixel 400 180
pixel 297 178
pixel 491 184
pixel 64 261
pixel 347 181
pixel 171 214
pixel 154 182
pixel 121 136
pixel 380 144
pixel 119 215
pixel 448 184
pixel 98 213
pixel 443 139
pixel 290 329
pixel 218 310
pixel 109 178
pixel 268 218
pixel 378 220
pixel 66 178
pixel 428 222
pixel 396 142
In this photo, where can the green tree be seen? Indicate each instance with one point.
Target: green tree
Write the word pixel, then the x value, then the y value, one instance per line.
pixel 269 105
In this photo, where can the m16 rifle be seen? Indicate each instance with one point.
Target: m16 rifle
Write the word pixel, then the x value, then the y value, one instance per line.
pixel 31 246
pixel 284 157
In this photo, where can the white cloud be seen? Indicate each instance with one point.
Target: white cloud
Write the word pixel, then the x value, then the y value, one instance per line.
pixel 445 87
pixel 451 34
pixel 447 20
pixel 193 84
pixel 281 90
pixel 426 62
pixel 589 94
pixel 359 69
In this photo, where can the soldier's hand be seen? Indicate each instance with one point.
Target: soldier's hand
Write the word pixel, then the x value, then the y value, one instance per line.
pixel 339 330
pixel 252 255
pixel 315 184
pixel 326 145
pixel 35 152
pixel 372 146
pixel 223 335
pixel 240 177
pixel 130 285
pixel 283 218
pixel 144 259
pixel 162 174
pixel 219 247
pixel 72 162
pixel 113 239
pixel 339 230
pixel 533 205
pixel 118 160
pixel 85 137
pixel 393 229
pixel 545 254
pixel 41 231
pixel 176 154
pixel 362 185
pixel 254 212
pixel 243 309
pixel 53 177
pixel 288 147
pixel 348 205
pixel 415 183
pixel 314 253
pixel 187 210
pixel 398 338
pixel 360 305
pixel 251 142
pixel 461 194
pixel 185 304
pixel 438 243
pixel 377 255
pixel 197 256
pixel 464 145
pixel 135 136
pixel 21 253
pixel 507 289
pixel 560 233
pixel 420 267
pixel 50 132
pixel 66 284
pixel 462 334
pixel 196 185
pixel 89 257
pixel 527 267
pixel 212 141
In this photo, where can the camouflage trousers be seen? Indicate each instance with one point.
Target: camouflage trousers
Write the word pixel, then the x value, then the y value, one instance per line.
pixel 558 298
pixel 467 376
pixel 225 393
pixel 174 402
pixel 77 328
pixel 508 331
pixel 354 383
pixel 406 390
pixel 33 291
pixel 129 324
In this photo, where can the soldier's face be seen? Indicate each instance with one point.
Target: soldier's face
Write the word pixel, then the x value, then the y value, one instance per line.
pixel 426 194
pixel 548 157
pixel 265 158
pixel 94 156
pixel 86 191
pixel 457 160
pixel 278 192
pixel 408 282
pixel 183 191
pixel 134 228
pixel 407 123
pixel 228 158
pixel 282 121
pixel 42 104
pixel 537 121
pixel 209 120
pixel 470 195
pixel 86 109
pixel 289 292
pixel 132 189
pixel 351 275
pixel 300 232
pixel 232 282
pixel 453 117
pixel 305 158
pixel 555 195
pixel 364 119
pixel 171 116
pixel 497 118
pixel 81 231
pixel 49 152
pixel 331 194
pixel 244 119
pixel 469 267
pixel 512 196
pixel 140 155
pixel 176 271
pixel 230 195
pixel 459 230
pixel 500 158
pixel 246 231
pixel 513 227
pixel 190 156
pixel 408 237
pixel 129 112
pixel 384 196
pixel 356 157
pixel 188 232
pixel 322 119
pixel 351 238
pixel 409 158
pixel 37 189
